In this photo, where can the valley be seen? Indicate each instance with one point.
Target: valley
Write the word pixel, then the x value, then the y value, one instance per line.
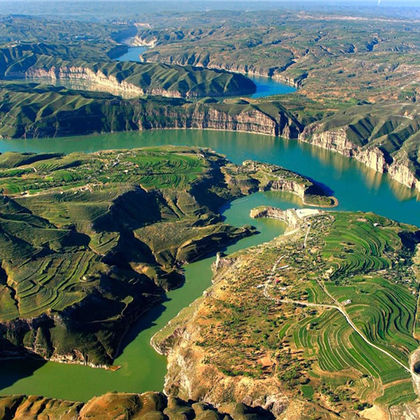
pixel 209 212
pixel 76 235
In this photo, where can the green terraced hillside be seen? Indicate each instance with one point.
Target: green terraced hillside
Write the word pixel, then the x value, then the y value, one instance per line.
pixel 325 316
pixel 91 241
pixel 80 252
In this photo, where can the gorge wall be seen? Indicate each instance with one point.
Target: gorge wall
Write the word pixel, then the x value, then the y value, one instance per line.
pixel 97 80
pixel 336 140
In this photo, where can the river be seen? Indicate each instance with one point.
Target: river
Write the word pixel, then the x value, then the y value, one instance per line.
pixel 266 86
pixel 142 369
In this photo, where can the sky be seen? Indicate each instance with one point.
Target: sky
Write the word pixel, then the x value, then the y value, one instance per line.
pixel 363 2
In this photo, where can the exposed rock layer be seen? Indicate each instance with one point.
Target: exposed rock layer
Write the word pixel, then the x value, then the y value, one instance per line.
pixel 373 157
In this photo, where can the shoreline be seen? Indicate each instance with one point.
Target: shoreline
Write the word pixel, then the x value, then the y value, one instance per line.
pixel 299 140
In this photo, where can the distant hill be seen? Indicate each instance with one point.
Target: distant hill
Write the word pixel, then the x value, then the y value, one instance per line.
pixel 57 63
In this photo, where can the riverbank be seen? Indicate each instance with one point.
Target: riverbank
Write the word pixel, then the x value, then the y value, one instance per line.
pixel 298 296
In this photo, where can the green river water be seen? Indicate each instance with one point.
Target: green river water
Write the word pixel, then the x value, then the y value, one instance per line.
pixel 142 369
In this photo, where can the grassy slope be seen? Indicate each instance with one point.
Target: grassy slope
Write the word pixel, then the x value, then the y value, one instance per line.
pixel 16 61
pixel 91 241
pixel 72 238
pixel 364 261
pixel 329 55
pixel 39 111
pixel 339 62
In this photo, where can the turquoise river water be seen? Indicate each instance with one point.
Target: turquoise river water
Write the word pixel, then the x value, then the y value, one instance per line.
pixel 142 369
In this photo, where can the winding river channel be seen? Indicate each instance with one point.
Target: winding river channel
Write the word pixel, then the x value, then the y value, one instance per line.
pixel 142 369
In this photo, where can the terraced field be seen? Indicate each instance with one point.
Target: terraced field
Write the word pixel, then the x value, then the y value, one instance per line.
pixel 369 273
pixel 91 241
pixel 75 266
pixel 285 312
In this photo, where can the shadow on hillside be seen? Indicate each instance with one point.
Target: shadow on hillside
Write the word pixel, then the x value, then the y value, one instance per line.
pixel 145 322
pixel 12 370
pixel 320 188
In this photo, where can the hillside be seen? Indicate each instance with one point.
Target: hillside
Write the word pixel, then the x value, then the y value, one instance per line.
pixel 150 405
pixel 60 63
pixel 44 111
pixel 385 138
pixel 90 242
pixel 326 54
pixel 321 321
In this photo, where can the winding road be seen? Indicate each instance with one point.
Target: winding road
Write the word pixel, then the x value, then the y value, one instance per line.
pixel 338 306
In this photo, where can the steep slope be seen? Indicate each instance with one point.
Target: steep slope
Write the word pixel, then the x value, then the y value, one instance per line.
pixel 321 321
pixel 27 61
pixel 40 111
pixel 90 242
pixel 385 138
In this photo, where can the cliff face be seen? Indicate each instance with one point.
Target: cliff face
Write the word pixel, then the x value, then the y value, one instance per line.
pixel 192 374
pixel 401 172
pixel 108 83
pixel 337 140
pixel 382 144
pixel 209 116
pixel 190 377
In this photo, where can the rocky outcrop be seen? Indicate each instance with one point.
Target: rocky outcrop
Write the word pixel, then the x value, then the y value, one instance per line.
pixel 190 377
pixel 266 177
pixel 288 216
pixel 249 120
pixel 401 172
pixel 97 81
pixel 337 140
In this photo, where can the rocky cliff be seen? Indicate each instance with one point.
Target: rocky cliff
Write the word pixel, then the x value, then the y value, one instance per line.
pixel 246 118
pixel 97 81
pixel 71 113
pixel 373 149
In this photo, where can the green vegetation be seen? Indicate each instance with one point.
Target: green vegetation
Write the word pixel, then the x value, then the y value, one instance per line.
pixel 56 62
pixel 393 129
pixel 91 241
pixel 85 248
pixel 78 35
pixel 343 55
pixel 280 308
pixel 32 110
